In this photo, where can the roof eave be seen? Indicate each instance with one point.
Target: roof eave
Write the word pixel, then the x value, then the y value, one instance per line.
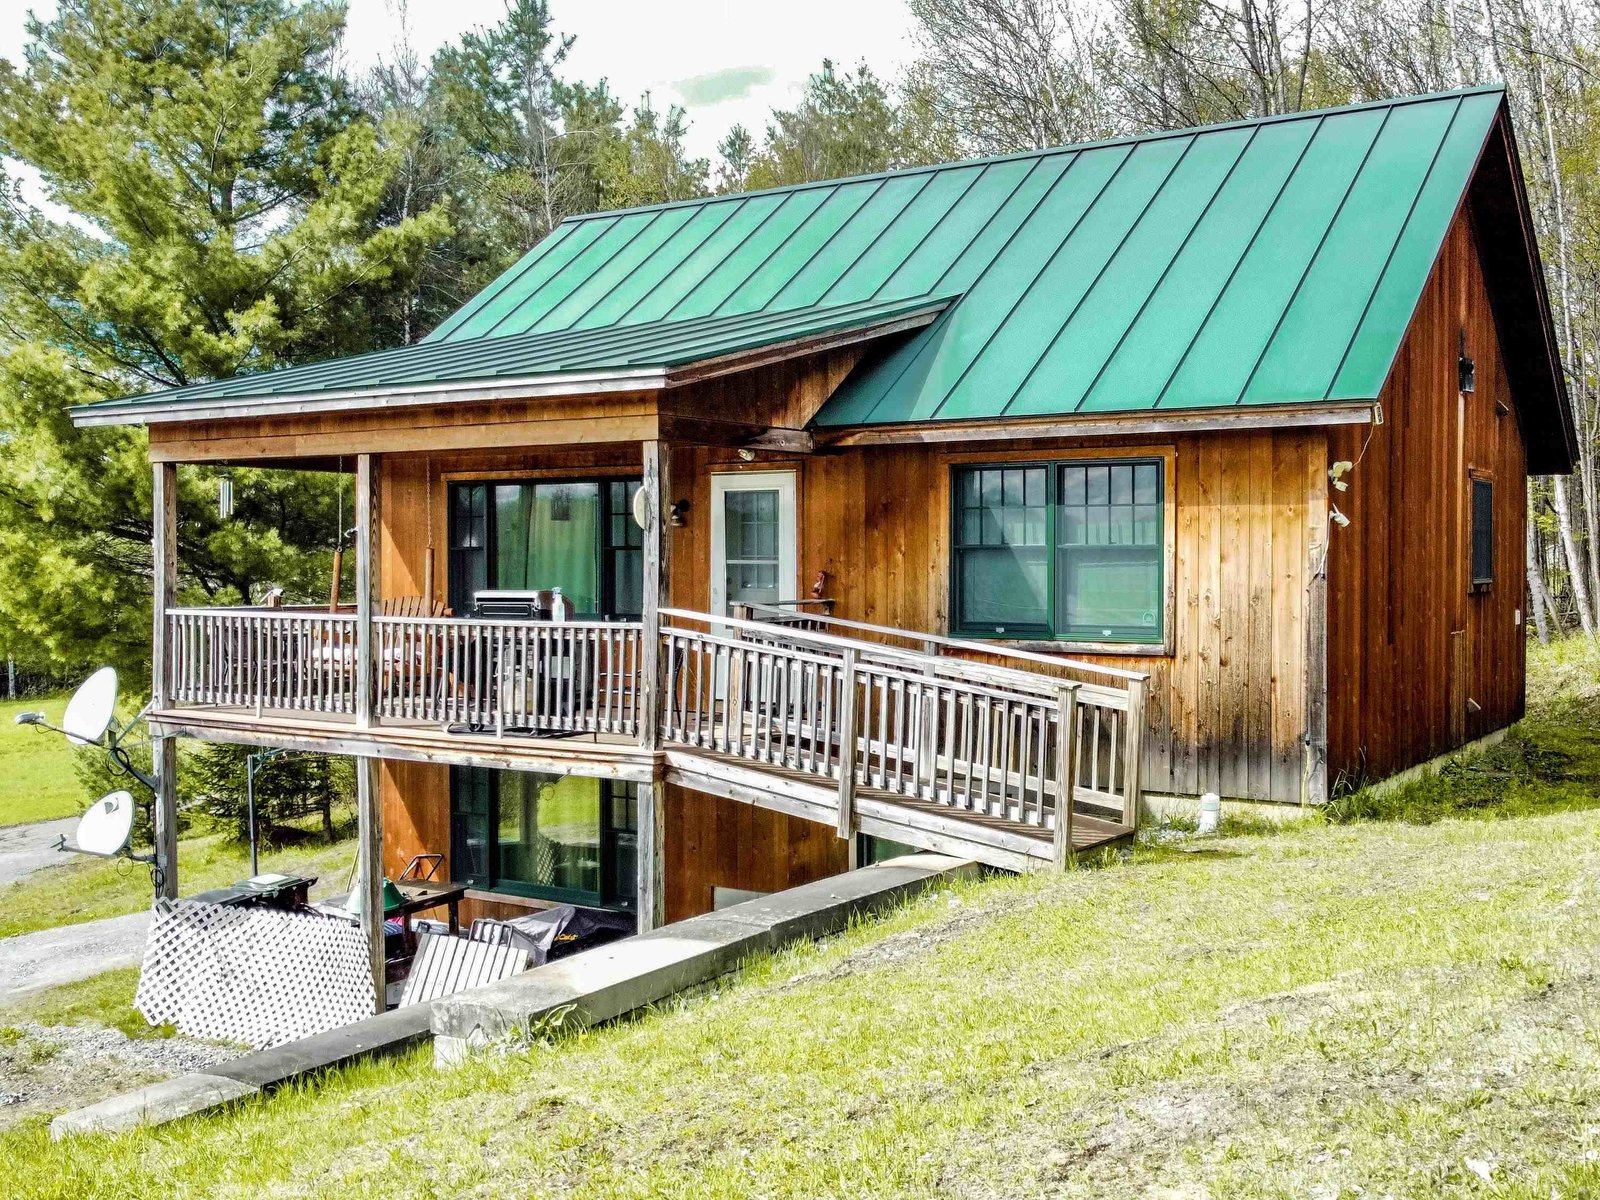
pixel 546 386
pixel 1109 424
pixel 152 412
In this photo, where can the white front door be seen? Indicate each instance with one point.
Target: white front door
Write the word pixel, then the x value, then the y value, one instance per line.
pixel 753 551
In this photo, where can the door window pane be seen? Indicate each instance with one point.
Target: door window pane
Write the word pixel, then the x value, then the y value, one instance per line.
pixel 551 540
pixel 624 552
pixel 750 540
pixel 548 834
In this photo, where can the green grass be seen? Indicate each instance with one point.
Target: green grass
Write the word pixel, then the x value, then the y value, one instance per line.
pixel 1549 762
pixel 87 889
pixel 1367 1008
pixel 105 999
pixel 36 778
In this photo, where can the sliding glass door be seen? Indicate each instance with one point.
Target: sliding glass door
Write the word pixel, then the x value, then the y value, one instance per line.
pixel 576 535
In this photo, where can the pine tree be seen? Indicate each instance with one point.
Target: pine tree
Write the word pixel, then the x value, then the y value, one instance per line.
pixel 225 198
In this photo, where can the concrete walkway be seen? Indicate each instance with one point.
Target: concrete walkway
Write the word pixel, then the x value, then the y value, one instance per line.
pixel 70 952
pixel 25 849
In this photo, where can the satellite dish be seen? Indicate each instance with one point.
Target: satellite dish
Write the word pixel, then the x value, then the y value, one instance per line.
pixel 88 714
pixel 105 828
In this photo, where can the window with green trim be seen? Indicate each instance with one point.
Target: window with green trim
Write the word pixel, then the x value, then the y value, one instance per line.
pixel 554 837
pixel 1070 551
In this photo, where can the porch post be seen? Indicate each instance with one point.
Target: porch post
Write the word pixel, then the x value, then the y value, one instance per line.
pixel 657 571
pixel 369 870
pixel 651 842
pixel 366 584
pixel 164 750
pixel 650 850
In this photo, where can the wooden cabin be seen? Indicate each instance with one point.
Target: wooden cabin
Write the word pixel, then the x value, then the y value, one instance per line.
pixel 959 507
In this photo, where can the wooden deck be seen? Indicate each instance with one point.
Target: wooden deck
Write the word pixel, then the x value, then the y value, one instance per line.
pixel 832 722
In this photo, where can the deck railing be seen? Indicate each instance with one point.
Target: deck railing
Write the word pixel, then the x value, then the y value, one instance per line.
pixel 262 659
pixel 971 737
pixel 1108 713
pixel 566 677
pixel 915 716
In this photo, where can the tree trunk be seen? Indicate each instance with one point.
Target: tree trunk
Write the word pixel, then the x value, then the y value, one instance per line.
pixel 1537 600
pixel 1569 550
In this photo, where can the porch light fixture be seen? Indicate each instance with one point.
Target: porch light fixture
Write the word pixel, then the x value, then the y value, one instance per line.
pixel 1466 369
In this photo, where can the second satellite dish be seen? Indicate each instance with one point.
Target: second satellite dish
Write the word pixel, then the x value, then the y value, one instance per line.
pixel 106 827
pixel 88 714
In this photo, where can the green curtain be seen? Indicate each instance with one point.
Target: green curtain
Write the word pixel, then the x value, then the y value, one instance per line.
pixel 547 535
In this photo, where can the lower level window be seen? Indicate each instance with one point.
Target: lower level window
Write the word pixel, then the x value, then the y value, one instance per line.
pixel 1067 550
pixel 554 837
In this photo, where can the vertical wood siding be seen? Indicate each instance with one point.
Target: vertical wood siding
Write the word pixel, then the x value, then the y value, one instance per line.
pixel 1409 642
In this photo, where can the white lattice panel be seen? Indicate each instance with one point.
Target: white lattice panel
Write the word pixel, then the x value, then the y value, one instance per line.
pixel 252 975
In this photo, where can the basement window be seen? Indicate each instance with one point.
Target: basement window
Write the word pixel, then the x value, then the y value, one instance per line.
pixel 552 837
pixel 1068 551
pixel 1482 533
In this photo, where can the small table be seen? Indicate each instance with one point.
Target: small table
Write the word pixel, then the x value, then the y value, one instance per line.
pixel 418 896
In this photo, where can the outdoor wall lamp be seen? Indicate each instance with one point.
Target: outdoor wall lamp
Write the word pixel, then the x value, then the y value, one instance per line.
pixel 1466 369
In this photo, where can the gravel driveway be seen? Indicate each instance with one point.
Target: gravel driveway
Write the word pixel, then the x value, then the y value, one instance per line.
pixel 69 952
pixel 25 849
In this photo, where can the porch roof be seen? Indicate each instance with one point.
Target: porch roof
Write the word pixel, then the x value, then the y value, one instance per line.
pixel 573 361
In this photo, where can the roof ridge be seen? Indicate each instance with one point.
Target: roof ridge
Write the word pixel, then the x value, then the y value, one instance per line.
pixel 1153 135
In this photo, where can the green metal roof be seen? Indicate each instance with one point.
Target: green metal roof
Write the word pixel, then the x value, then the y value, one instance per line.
pixel 1264 262
pixel 641 356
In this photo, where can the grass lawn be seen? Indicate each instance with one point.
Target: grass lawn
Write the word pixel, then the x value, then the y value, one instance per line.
pixel 1378 1008
pixel 36 778
pixel 105 999
pixel 86 889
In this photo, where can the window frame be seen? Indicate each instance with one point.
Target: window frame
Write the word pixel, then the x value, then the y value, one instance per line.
pixel 605 550
pixel 1476 582
pixel 616 894
pixel 1164 456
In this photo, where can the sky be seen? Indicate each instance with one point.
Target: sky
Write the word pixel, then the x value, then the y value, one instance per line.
pixel 726 61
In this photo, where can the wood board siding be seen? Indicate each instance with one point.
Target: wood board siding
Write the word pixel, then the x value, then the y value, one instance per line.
pixel 1226 708
pixel 713 842
pixel 1409 641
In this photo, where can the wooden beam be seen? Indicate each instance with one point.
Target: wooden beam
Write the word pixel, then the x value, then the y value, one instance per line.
pixel 737 434
pixel 509 435
pixel 369 869
pixel 1066 766
pixel 164 751
pixel 366 585
pixel 849 736
pixel 1363 412
pixel 651 856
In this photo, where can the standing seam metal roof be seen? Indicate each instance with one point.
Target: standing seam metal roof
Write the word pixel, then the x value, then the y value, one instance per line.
pixel 1260 262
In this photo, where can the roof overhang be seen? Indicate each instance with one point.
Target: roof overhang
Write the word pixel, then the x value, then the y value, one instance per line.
pixel 137 411
pixel 1086 425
